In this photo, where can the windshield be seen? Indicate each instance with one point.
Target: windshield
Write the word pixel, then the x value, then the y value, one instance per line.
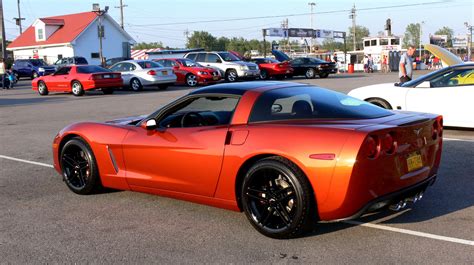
pixel 149 64
pixel 422 78
pixel 311 103
pixel 39 62
pixel 89 69
pixel 189 63
pixel 314 60
pixel 228 57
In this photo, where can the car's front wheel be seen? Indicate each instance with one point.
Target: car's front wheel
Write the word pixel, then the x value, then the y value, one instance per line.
pixel 191 80
pixel 310 73
pixel 231 76
pixel 264 74
pixel 79 167
pixel 277 199
pixel 136 85
pixel 42 88
pixel 379 102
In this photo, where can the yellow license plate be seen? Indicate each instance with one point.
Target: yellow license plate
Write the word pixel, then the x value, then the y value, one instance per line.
pixel 164 72
pixel 414 162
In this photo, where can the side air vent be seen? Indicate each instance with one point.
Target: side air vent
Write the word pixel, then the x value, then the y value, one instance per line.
pixel 112 158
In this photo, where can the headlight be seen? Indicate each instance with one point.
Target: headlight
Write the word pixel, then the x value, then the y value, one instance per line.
pixel 41 69
pixel 202 73
pixel 243 67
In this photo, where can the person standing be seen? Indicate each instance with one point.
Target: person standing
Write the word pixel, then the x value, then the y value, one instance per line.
pixel 405 72
pixel 384 64
pixel 3 71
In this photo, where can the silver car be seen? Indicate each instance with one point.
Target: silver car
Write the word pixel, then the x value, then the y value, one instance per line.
pixel 139 73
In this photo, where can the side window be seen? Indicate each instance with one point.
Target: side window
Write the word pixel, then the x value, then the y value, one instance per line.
pixel 128 67
pixel 192 56
pixel 454 78
pixel 201 57
pixel 290 105
pixel 117 68
pixel 298 61
pixel 465 78
pixel 201 111
pixel 63 71
pixel 174 64
pixel 212 58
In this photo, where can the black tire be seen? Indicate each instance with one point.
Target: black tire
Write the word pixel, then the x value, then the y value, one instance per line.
pixel 42 88
pixel 231 75
pixel 280 77
pixel 77 89
pixel 136 85
pixel 310 73
pixel 34 75
pixel 191 80
pixel 79 167
pixel 264 75
pixel 277 198
pixel 379 102
pixel 323 75
pixel 163 86
pixel 108 91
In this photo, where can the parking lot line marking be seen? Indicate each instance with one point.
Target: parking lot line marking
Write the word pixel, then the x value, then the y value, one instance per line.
pixel 26 161
pixel 413 233
pixel 458 140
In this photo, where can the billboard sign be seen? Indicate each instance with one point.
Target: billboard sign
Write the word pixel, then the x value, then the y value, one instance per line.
pixel 439 40
pixel 276 32
pixel 460 41
pixel 300 32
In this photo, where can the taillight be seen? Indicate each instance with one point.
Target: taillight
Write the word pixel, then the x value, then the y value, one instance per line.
pixel 372 146
pixel 151 72
pixel 435 130
pixel 95 77
pixel 440 127
pixel 389 145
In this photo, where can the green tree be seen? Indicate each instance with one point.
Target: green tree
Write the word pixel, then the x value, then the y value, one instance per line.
pixel 361 32
pixel 202 39
pixel 148 45
pixel 332 45
pixel 446 31
pixel 412 35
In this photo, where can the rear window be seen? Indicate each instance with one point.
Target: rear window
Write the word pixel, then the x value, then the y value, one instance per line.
pixel 81 60
pixel 149 64
pixel 38 62
pixel 311 103
pixel 89 69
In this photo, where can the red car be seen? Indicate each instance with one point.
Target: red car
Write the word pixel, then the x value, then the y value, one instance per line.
pixel 77 79
pixel 272 68
pixel 286 154
pixel 191 73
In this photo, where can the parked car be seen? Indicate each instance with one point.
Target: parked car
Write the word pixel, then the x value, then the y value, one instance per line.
pixel 31 68
pixel 286 154
pixel 70 61
pixel 307 66
pixel 231 67
pixel 448 91
pixel 112 61
pixel 191 73
pixel 78 79
pixel 272 68
pixel 139 73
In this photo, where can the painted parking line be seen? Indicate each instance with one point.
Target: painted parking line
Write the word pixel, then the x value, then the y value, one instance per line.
pixel 413 233
pixel 370 225
pixel 458 140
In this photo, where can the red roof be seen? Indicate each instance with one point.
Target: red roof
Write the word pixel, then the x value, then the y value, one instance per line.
pixel 72 26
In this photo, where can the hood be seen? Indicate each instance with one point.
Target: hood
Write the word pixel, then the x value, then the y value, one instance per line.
pixel 280 56
pixel 448 58
pixel 127 120
pixel 372 90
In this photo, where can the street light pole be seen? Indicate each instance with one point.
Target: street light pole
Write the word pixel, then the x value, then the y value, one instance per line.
pixel 422 22
pixel 312 5
pixel 469 41
pixel 100 13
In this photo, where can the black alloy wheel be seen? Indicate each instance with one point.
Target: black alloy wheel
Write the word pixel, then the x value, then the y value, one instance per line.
pixel 136 85
pixel 231 75
pixel 264 75
pixel 277 198
pixel 79 167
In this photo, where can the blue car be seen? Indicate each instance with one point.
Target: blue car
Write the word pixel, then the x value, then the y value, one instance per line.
pixel 32 68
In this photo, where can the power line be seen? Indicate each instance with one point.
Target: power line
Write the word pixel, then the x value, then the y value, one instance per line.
pixel 293 15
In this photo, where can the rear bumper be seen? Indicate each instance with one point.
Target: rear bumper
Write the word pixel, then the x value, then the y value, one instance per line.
pixel 391 198
pixel 95 84
pixel 155 80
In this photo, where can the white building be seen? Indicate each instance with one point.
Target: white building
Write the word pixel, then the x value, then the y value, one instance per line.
pixel 71 35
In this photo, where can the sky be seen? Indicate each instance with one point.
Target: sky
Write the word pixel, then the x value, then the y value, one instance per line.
pixel 145 20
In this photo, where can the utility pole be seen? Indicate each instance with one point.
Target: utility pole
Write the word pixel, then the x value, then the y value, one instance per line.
pixel 121 6
pixel 353 17
pixel 312 5
pixel 284 25
pixel 469 41
pixel 19 18
pixel 100 13
pixel 4 41
pixel 421 24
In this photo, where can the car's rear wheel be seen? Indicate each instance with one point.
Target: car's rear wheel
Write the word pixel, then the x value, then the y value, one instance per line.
pixel 79 167
pixel 191 80
pixel 277 198
pixel 136 85
pixel 310 73
pixel 42 88
pixel 231 75
pixel 323 75
pixel 263 74
pixel 379 102
pixel 77 89
pixel 108 91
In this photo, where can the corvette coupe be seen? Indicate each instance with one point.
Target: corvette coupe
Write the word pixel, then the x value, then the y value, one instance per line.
pixel 286 154
pixel 78 79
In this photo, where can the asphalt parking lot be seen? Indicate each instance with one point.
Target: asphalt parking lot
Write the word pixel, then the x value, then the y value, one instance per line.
pixel 41 221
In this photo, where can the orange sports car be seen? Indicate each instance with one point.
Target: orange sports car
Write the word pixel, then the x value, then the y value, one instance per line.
pixel 286 154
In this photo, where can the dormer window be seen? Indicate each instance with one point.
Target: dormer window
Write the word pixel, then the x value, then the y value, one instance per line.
pixel 40 34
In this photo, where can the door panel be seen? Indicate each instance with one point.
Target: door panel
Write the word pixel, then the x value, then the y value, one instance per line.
pixel 177 159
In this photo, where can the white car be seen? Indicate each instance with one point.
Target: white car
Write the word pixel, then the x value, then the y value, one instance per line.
pixel 139 73
pixel 448 91
pixel 231 67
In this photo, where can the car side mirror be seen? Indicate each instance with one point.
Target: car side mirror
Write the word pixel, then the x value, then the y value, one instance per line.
pixel 150 124
pixel 424 84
